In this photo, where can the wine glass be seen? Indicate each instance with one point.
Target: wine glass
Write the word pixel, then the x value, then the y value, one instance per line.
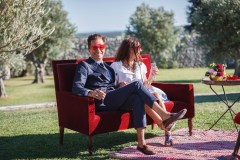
pixel 104 89
pixel 153 66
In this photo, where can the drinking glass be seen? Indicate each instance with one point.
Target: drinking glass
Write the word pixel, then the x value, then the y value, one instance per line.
pixel 104 89
pixel 153 66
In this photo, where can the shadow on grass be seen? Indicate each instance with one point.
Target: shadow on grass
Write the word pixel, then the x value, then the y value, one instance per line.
pixel 214 98
pixel 49 86
pixel 184 81
pixel 47 146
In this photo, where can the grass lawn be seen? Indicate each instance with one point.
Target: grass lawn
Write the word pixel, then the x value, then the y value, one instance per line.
pixel 33 133
pixel 22 91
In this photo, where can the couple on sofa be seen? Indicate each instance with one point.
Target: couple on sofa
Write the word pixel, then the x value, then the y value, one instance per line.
pixel 128 91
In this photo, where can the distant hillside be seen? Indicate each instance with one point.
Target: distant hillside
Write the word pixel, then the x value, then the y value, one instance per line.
pixel 111 34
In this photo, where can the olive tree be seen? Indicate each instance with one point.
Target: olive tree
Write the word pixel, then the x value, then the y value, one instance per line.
pixel 21 31
pixel 59 41
pixel 217 23
pixel 154 27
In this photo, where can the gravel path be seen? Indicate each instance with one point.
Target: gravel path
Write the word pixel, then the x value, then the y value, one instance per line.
pixel 27 106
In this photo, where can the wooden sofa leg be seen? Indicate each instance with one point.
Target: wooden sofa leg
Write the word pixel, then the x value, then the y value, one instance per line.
pixel 190 126
pixel 90 145
pixel 61 131
pixel 153 126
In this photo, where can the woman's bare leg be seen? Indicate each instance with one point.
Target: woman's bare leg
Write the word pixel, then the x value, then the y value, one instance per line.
pixel 154 115
pixel 168 139
pixel 161 104
pixel 160 111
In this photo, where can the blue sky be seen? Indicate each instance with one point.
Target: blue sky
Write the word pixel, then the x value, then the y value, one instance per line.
pixel 113 15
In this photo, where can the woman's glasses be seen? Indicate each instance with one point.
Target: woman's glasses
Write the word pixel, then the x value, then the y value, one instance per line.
pixel 98 46
pixel 139 47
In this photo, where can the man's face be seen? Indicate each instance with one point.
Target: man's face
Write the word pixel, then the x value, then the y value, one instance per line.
pixel 97 49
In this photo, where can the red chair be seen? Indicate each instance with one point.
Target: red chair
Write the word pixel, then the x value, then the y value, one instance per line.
pixel 236 148
pixel 78 113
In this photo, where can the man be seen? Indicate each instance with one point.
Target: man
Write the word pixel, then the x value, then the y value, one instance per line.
pixel 93 74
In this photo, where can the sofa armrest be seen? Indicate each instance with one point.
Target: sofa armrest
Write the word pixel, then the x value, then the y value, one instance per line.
pixel 177 92
pixel 75 112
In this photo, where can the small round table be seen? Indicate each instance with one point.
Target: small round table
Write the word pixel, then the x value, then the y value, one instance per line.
pixel 223 83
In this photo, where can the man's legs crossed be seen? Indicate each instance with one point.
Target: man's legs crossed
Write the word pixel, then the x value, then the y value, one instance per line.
pixel 115 99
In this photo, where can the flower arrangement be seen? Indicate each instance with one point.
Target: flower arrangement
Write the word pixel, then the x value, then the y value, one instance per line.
pixel 216 72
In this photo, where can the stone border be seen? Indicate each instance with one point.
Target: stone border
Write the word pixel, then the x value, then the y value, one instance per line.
pixel 28 106
pixel 53 104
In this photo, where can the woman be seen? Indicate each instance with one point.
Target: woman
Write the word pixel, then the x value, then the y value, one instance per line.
pixel 129 68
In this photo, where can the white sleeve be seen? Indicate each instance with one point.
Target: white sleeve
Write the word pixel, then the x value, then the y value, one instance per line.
pixel 144 69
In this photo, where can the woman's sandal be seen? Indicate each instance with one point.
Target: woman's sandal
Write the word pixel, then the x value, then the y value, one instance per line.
pixel 168 140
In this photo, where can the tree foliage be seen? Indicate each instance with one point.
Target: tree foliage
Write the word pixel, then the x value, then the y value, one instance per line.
pixel 21 31
pixel 155 30
pixel 20 26
pixel 59 41
pixel 218 25
pixel 190 12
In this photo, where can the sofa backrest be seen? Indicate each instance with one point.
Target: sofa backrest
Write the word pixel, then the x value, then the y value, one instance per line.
pixel 64 71
pixel 146 58
pixel 66 74
pixel 55 63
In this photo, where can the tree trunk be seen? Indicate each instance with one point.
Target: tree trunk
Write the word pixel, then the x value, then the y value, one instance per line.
pixel 23 73
pixel 3 92
pixel 39 63
pixel 6 72
pixel 39 73
pixel 237 67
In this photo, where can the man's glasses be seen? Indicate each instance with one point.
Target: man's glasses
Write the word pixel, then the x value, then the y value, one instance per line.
pixel 98 46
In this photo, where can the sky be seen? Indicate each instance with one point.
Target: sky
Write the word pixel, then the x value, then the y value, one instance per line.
pixel 114 15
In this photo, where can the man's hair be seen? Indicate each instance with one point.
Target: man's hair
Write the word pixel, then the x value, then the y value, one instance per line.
pixel 94 37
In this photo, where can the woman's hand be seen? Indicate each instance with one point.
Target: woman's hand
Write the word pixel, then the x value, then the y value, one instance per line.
pixel 154 71
pixel 121 84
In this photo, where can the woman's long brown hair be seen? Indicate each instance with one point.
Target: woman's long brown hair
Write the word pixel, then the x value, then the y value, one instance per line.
pixel 123 52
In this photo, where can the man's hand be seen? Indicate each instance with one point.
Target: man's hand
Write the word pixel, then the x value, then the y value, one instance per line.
pixel 97 94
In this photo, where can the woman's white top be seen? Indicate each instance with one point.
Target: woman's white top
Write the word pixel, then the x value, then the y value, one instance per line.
pixel 125 75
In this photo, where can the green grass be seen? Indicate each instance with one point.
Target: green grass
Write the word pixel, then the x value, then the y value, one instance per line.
pixel 33 133
pixel 22 91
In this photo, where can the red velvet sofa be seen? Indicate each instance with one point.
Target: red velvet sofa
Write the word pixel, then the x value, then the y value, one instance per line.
pixel 78 113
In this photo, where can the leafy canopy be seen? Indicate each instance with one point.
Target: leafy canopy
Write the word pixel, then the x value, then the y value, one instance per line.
pixel 21 29
pixel 217 22
pixel 155 30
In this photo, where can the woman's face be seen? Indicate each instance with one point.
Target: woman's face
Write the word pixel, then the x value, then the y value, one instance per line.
pixel 97 49
pixel 135 51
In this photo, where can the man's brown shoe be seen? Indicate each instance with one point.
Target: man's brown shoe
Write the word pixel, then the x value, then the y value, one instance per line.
pixel 145 150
